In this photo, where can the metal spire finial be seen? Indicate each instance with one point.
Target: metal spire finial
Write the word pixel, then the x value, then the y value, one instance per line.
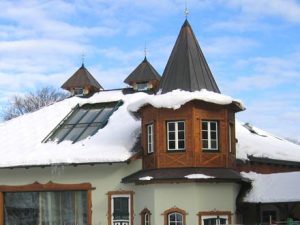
pixel 82 58
pixel 186 10
pixel 145 49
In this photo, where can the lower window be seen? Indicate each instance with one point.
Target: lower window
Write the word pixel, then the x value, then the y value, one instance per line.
pixel 214 217
pixel 46 208
pixel 174 216
pixel 175 219
pixel 121 208
pixel 214 220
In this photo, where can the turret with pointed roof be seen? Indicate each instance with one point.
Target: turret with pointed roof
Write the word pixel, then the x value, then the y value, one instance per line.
pixel 82 83
pixel 144 76
pixel 187 68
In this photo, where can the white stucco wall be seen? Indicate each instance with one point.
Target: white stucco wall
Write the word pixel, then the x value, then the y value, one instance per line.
pixel 191 197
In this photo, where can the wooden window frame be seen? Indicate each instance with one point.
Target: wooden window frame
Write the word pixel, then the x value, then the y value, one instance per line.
pixel 110 195
pixel 50 186
pixel 176 149
pixel 150 138
pixel 214 213
pixel 174 210
pixel 143 216
pixel 209 139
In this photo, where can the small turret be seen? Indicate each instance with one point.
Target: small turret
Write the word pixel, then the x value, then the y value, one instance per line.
pixel 82 83
pixel 144 77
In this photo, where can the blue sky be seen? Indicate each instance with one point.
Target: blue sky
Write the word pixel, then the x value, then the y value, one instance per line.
pixel 252 47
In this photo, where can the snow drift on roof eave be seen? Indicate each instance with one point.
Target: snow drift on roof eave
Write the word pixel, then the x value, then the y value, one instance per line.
pixel 175 99
pixel 264 145
pixel 20 138
pixel 284 186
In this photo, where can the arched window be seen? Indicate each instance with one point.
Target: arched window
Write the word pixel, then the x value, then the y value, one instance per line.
pixel 145 217
pixel 174 216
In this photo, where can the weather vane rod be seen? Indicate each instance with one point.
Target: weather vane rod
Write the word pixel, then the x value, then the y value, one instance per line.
pixel 82 58
pixel 186 11
pixel 145 49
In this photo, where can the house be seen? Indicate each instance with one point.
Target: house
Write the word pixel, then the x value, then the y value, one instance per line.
pixel 165 150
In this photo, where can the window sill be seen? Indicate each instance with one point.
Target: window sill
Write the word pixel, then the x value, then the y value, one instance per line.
pixel 211 150
pixel 174 151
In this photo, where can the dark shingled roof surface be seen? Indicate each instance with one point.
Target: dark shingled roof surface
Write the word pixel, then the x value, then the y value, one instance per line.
pixel 187 68
pixel 165 174
pixel 81 78
pixel 143 73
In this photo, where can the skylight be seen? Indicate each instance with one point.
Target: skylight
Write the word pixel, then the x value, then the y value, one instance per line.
pixel 82 122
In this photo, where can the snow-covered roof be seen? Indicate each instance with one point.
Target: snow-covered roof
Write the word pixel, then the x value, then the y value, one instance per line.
pixel 21 138
pixel 258 143
pixel 271 188
pixel 175 99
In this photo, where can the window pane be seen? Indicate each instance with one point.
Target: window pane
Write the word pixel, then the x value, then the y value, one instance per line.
pixel 172 217
pixel 181 144
pixel 181 135
pixel 213 135
pixel 171 126
pixel 213 144
pixel 171 136
pixel 213 125
pixel 204 135
pixel 205 144
pixel 76 116
pixel 180 125
pixel 178 217
pixel 75 132
pixel 103 115
pixel 171 144
pixel 61 133
pixel 204 125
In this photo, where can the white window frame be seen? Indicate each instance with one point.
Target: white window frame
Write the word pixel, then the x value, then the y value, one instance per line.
pixel 175 222
pixel 147 218
pixel 176 135
pixel 78 91
pixel 150 138
pixel 209 131
pixel 112 209
pixel 214 217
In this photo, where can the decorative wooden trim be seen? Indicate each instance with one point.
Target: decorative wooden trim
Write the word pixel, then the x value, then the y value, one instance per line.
pixel 174 210
pixel 121 192
pixel 50 186
pixel 215 213
pixel 143 213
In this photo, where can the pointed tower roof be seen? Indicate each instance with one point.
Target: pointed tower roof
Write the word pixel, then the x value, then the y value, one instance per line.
pixel 187 68
pixel 144 72
pixel 81 78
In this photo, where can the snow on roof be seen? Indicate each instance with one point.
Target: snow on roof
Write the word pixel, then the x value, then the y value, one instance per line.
pixel 284 187
pixel 255 142
pixel 175 99
pixel 21 138
pixel 198 176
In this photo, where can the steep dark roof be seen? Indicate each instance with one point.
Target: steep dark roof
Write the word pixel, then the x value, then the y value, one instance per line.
pixel 81 78
pixel 187 68
pixel 165 174
pixel 143 73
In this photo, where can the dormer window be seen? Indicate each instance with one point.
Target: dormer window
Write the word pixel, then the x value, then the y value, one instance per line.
pixel 210 135
pixel 142 86
pixel 176 135
pixel 78 91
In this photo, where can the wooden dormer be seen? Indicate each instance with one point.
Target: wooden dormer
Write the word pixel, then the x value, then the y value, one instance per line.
pixel 82 83
pixel 144 77
pixel 199 134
